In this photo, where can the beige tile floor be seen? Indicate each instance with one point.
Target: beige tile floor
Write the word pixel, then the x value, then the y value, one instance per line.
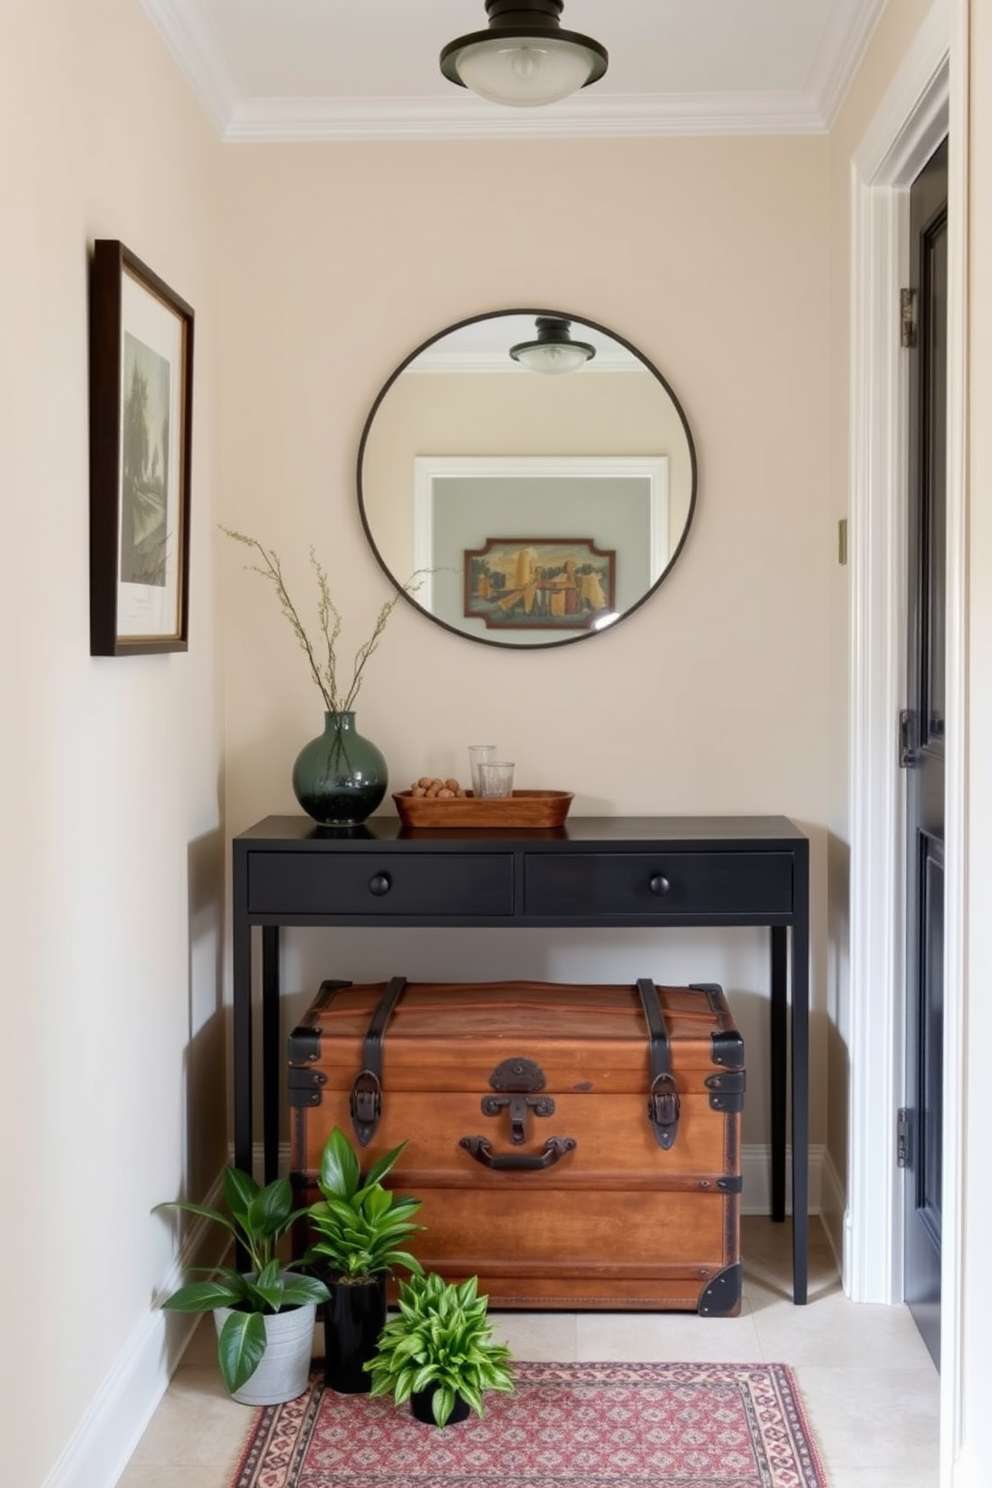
pixel 870 1390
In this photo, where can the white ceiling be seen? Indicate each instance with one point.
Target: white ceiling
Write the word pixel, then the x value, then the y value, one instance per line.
pixel 368 69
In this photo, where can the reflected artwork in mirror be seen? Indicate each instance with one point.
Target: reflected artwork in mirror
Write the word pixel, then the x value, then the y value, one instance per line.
pixel 502 488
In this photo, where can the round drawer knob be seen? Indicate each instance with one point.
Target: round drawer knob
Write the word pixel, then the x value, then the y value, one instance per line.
pixel 660 884
pixel 379 884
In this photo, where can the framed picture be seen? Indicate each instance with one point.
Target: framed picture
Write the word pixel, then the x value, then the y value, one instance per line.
pixel 540 583
pixel 141 401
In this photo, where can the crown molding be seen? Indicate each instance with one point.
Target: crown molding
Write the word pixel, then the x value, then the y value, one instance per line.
pixel 199 53
pixel 197 48
pixel 849 29
pixel 648 116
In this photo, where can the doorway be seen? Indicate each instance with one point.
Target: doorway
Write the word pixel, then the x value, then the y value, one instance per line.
pixel 923 746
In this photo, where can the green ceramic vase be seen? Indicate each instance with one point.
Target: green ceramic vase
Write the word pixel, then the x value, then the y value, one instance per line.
pixel 339 778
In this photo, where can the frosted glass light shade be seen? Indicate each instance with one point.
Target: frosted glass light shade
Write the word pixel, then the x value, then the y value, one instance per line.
pixel 524 71
pixel 551 358
pixel 554 350
pixel 525 58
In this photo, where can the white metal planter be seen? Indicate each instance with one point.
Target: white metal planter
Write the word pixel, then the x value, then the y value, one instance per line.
pixel 284 1370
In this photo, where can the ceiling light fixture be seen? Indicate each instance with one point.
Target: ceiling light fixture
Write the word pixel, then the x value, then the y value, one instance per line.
pixel 525 58
pixel 554 350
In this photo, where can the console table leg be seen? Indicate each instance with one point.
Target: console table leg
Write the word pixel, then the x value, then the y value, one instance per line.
pixel 800 1088
pixel 778 1065
pixel 241 1027
pixel 272 1054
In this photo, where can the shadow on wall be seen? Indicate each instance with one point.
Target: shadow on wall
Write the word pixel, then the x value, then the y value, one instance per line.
pixel 838 1019
pixel 205 1072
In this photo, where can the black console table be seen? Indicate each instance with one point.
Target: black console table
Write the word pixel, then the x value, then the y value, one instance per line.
pixel 593 871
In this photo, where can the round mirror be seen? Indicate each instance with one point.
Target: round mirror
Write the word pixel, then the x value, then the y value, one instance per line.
pixel 526 478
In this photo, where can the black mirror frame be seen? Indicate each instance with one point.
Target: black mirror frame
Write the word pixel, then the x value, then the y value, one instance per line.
pixel 585 635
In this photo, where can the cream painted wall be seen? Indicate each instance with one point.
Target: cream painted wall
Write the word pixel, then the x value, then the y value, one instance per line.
pixel 112 1059
pixel 897 28
pixel 712 256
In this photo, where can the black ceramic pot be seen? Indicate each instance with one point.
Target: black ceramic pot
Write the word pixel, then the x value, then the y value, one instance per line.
pixel 354 1317
pixel 421 1408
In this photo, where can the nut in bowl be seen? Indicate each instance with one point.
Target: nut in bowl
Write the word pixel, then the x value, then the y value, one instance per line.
pixel 433 788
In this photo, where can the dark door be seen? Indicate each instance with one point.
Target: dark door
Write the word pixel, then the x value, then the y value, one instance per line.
pixel 923 752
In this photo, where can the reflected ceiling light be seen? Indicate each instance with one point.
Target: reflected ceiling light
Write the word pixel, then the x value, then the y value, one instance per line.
pixel 554 350
pixel 524 58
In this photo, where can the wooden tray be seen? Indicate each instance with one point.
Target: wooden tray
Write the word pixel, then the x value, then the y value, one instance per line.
pixel 536 808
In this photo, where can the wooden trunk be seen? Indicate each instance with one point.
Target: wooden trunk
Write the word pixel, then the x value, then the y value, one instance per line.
pixel 526 1112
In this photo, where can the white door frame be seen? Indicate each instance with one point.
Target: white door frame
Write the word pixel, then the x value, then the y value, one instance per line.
pixel 927 99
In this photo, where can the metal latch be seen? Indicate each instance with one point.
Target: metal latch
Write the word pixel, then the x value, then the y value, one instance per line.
pixel 366 1099
pixel 663 1109
pixel 306 1086
pixel 909 739
pixel 902 1138
pixel 519 1078
pixel 907 319
pixel 726 1090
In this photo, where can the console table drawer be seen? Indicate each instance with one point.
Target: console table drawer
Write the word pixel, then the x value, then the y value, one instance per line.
pixel 380 884
pixel 651 884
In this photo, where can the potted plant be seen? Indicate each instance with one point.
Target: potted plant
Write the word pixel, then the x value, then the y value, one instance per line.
pixel 268 1304
pixel 357 1229
pixel 339 777
pixel 439 1353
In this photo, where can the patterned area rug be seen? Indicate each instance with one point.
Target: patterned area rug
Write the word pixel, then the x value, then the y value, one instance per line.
pixel 566 1426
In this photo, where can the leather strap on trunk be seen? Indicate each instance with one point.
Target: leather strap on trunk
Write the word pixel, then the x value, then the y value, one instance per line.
pixel 663 1097
pixel 366 1092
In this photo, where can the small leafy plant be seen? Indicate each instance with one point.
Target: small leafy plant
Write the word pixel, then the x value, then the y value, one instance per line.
pixel 359 1227
pixel 441 1341
pixel 258 1218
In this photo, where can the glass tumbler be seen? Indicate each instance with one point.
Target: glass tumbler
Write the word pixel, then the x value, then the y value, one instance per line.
pixel 479 754
pixel 495 779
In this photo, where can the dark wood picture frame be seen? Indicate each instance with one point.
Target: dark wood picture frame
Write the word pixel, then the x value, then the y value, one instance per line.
pixel 540 583
pixel 141 406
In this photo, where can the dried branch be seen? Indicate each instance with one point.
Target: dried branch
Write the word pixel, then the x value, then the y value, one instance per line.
pixel 329 619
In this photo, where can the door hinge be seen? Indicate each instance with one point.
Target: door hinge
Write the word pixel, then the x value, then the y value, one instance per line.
pixel 902 1138
pixel 907 318
pixel 909 752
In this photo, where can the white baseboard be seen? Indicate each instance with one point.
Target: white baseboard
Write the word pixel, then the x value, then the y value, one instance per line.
pixel 756 1166
pixel 105 1439
pixel 833 1207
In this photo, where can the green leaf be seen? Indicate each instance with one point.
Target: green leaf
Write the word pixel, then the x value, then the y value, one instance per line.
pixel 422 1378
pixel 200 1209
pixel 394 1258
pixel 239 1191
pixel 467 1291
pixel 375 1203
pixel 270 1210
pixel 442 1403
pixel 469 1393
pixel 382 1165
pixel 240 1347
pixel 403 1390
pixel 204 1296
pixel 340 1171
pixel 300 1290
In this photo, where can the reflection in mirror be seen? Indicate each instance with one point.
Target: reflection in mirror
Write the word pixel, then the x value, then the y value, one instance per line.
pixel 542 509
